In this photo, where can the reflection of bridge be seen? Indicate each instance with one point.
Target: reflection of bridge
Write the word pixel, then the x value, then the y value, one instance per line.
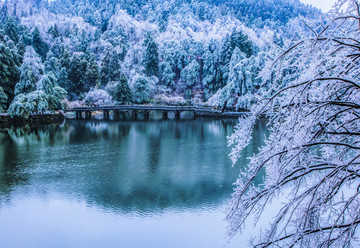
pixel 85 112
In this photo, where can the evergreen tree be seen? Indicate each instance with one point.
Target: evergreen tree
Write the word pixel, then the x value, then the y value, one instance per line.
pixel 241 40
pixel 11 30
pixel 63 78
pixel 142 90
pixel 151 57
pixel 210 70
pixel 84 43
pixel 27 81
pixel 55 94
pixel 168 75
pixel 92 72
pixel 47 84
pixel 3 100
pixel 39 45
pixel 75 76
pixel 25 35
pixel 21 50
pixel 105 68
pixel 51 64
pixel 9 72
pixel 239 77
pixel 110 67
pixel 225 57
pixel 65 58
pixel 190 76
pixel 25 104
pixel 54 32
pixel 33 60
pixel 114 67
pixel 122 92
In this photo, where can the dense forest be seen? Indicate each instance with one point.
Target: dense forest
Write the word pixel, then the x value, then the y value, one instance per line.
pixel 64 53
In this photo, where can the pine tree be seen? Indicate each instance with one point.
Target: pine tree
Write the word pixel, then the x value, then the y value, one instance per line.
pixel 84 43
pixel 51 64
pixel 63 78
pixel 142 90
pixel 9 72
pixel 38 44
pixel 122 92
pixel 241 40
pixel 65 58
pixel 55 94
pixel 168 75
pixel 21 50
pixel 105 65
pixel 75 75
pixel 92 72
pixel 190 76
pixel 210 70
pixel 114 67
pixel 54 32
pixel 33 60
pixel 27 81
pixel 11 30
pixel 3 100
pixel 225 57
pixel 151 57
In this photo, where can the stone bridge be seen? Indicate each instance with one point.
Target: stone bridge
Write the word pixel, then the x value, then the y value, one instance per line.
pixel 117 110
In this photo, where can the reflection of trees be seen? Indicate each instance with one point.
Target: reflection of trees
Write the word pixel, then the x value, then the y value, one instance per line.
pixel 165 173
pixel 9 168
pixel 126 166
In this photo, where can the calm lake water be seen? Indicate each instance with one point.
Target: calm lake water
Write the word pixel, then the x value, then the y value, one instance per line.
pixel 118 184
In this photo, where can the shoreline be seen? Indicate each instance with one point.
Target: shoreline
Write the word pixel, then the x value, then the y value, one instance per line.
pixel 6 120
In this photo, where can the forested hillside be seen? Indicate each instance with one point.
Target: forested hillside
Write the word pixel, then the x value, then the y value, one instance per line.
pixel 120 51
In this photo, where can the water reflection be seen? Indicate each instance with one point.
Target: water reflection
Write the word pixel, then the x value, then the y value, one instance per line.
pixel 123 166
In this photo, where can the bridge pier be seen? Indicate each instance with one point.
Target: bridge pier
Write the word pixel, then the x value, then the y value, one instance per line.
pixel 78 115
pixel 88 115
pixel 116 114
pixel 134 115
pixel 106 114
pixel 165 115
pixel 146 115
pixel 177 115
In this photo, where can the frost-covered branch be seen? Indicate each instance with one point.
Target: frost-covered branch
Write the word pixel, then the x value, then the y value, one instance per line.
pixel 312 154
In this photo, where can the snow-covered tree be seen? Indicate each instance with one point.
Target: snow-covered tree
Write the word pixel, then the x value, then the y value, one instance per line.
pixel 9 72
pixel 76 75
pixel 210 70
pixel 168 76
pixel 11 30
pixel 225 57
pixel 25 104
pixel 241 40
pixel 190 76
pixel 39 45
pixel 32 59
pixel 151 56
pixel 55 94
pixel 122 92
pixel 92 72
pixel 98 97
pixel 51 64
pixel 3 100
pixel 142 90
pixel 27 81
pixel 311 155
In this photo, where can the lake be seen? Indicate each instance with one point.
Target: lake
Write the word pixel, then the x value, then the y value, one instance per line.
pixel 119 184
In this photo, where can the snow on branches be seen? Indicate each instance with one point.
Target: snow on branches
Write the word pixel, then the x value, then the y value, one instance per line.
pixel 312 155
